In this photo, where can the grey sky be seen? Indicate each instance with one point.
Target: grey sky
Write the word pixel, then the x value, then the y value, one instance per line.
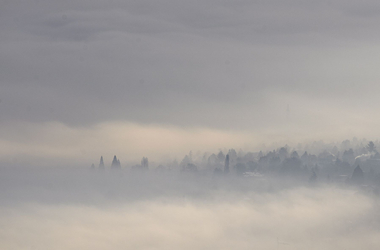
pixel 210 64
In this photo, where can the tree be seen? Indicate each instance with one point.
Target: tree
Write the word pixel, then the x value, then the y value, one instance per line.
pixel 190 168
pixel 211 161
pixel 357 175
pixel 294 155
pixel 221 156
pixel 233 155
pixel 227 165
pixel 145 163
pixel 348 156
pixel 101 163
pixel 115 163
pixel 283 153
pixel 305 157
pixel 371 147
pixel 291 166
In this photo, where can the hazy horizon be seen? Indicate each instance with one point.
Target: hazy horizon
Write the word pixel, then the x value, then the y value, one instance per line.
pixel 202 112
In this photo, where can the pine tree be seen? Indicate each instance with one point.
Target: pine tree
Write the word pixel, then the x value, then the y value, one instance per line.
pixel 357 175
pixel 371 147
pixel 101 164
pixel 145 163
pixel 115 163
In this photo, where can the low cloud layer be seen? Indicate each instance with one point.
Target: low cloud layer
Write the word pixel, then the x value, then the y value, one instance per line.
pixel 321 218
pixel 87 209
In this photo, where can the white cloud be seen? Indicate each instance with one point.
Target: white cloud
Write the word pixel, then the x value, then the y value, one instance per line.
pixel 298 218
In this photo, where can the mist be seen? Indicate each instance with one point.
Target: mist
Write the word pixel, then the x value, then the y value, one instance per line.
pixel 326 198
pixel 141 124
pixel 76 209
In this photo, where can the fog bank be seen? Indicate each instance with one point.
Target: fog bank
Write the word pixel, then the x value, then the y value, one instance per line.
pixel 299 218
pixel 76 209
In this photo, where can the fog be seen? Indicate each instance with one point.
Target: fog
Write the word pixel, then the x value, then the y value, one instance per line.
pixel 44 208
pixel 310 196
pixel 296 219
pixel 140 124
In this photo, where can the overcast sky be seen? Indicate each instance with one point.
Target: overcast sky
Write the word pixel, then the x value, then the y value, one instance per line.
pixel 79 78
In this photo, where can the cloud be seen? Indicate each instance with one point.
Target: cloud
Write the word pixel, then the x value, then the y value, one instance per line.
pixel 297 218
pixel 213 65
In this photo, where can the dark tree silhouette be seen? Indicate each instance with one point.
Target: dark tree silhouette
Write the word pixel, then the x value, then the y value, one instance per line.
pixel 220 156
pixel 283 153
pixel 291 166
pixel 348 156
pixel 227 165
pixel 145 163
pixel 101 163
pixel 190 168
pixel 305 157
pixel 115 163
pixel 357 175
pixel 371 147
pixel 232 154
pixel 294 155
